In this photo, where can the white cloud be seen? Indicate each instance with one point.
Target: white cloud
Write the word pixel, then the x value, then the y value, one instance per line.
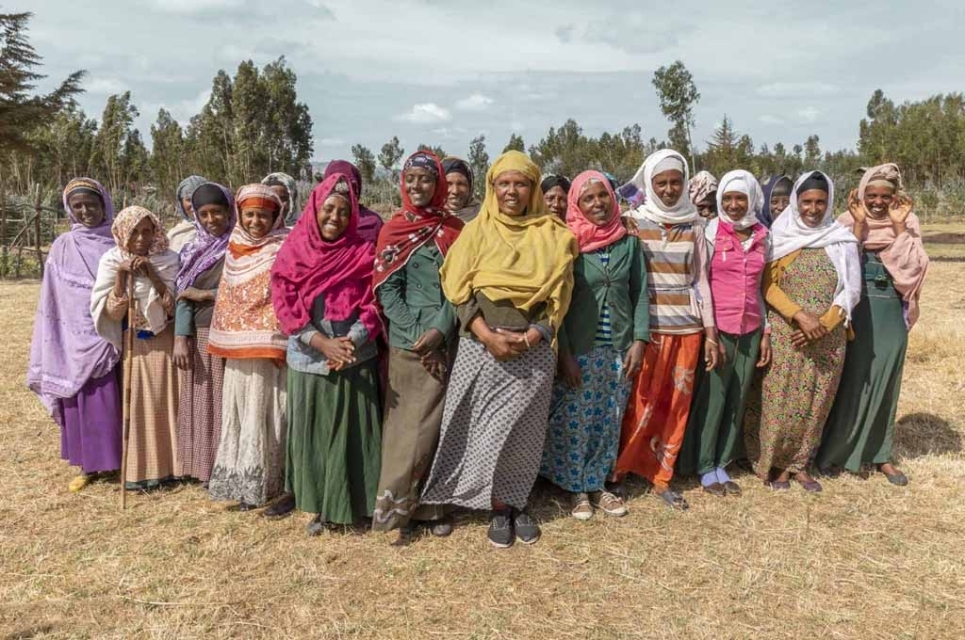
pixel 425 113
pixel 808 115
pixel 105 86
pixel 195 6
pixel 770 119
pixel 475 102
pixel 331 142
pixel 796 89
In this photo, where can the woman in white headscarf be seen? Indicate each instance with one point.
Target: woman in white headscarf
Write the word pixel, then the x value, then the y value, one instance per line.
pixel 812 284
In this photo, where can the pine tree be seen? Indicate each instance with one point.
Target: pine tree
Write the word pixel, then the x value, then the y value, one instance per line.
pixel 515 143
pixel 479 163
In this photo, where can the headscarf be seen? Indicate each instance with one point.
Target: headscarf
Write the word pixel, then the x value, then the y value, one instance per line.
pixel 414 226
pixel 184 231
pixel 66 351
pixel 653 208
pixel 243 324
pixel 292 212
pixel 790 234
pixel 526 260
pixel 469 212
pixel 903 256
pixel 552 181
pixel 205 250
pixel 589 236
pixel 702 185
pixel 370 222
pixel 740 181
pixel 772 185
pixel 149 300
pixel 309 266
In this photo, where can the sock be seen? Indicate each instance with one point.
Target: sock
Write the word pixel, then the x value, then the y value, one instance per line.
pixel 722 476
pixel 709 478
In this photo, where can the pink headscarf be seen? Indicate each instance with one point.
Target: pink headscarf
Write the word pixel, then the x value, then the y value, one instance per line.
pixel 590 236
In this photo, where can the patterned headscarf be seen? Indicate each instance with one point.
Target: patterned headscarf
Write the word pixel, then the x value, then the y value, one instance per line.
pixel 292 211
pixel 701 185
pixel 205 250
pixel 124 225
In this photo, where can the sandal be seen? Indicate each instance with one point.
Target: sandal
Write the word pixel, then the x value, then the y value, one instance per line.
pixel 898 479
pixel 733 489
pixel 778 485
pixel 810 485
pixel 673 500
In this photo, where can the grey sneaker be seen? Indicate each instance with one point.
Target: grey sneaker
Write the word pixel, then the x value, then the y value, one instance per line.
pixel 582 509
pixel 501 533
pixel 526 528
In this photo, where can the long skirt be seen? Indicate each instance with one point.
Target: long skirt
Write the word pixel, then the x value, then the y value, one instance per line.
pixel 413 414
pixel 714 437
pixel 334 442
pixel 790 403
pixel 250 465
pixel 656 417
pixel 584 424
pixel 199 411
pixel 152 441
pixel 861 427
pixel 493 428
pixel 90 433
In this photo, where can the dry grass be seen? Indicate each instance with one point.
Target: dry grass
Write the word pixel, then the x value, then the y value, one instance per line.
pixel 863 560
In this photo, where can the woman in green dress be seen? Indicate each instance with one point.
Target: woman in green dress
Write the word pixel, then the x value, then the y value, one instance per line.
pixel 860 431
pixel 322 294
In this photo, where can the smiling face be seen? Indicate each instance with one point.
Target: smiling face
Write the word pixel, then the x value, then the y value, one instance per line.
pixel 333 217
pixel 555 200
pixel 812 205
pixel 142 237
pixel 419 185
pixel 214 219
pixel 458 196
pixel 668 186
pixel 257 221
pixel 735 205
pixel 596 205
pixel 86 208
pixel 878 199
pixel 513 191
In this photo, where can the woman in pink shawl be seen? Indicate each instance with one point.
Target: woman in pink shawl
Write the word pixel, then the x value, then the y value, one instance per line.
pixel 860 430
pixel 73 369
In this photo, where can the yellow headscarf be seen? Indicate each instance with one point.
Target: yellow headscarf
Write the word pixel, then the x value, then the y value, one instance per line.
pixel 527 259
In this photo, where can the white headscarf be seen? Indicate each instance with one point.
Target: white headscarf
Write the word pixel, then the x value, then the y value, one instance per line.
pixel 653 208
pixel 789 234
pixel 742 182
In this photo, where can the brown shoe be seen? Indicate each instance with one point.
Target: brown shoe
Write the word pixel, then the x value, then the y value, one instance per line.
pixel 716 489
pixel 733 489
pixel 609 503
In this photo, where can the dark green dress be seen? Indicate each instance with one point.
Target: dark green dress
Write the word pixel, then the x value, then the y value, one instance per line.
pixel 861 427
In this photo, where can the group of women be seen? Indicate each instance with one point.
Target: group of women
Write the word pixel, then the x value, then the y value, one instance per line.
pixel 390 372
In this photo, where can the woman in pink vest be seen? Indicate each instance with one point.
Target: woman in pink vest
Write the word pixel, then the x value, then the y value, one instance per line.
pixel 739 245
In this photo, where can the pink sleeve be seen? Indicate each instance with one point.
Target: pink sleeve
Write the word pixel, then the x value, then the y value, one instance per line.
pixel 702 280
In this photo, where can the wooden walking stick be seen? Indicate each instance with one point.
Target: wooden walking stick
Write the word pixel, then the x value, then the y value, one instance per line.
pixel 126 397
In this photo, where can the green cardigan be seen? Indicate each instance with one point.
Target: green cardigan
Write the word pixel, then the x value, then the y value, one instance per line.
pixel 622 284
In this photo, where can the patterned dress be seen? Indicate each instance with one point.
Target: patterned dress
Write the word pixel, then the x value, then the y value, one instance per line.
pixel 790 403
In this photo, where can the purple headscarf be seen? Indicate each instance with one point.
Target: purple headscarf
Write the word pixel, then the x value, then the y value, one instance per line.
pixel 370 223
pixel 66 351
pixel 205 250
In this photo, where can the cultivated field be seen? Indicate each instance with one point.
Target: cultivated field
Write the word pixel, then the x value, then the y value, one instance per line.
pixel 862 560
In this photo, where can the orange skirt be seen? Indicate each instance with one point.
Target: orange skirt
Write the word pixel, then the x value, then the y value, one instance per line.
pixel 656 417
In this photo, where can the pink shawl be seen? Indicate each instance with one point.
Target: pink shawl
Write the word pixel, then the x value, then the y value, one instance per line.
pixel 589 236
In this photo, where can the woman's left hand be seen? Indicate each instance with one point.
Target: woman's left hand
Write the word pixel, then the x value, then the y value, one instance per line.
pixel 429 341
pixel 900 208
pixel 634 359
pixel 522 341
pixel 765 356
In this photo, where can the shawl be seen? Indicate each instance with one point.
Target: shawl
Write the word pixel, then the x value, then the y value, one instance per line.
pixel 309 266
pixel 183 232
pixel 742 182
pixel 700 186
pixel 291 212
pixel 66 351
pixel 370 223
pixel 765 214
pixel 589 236
pixel 243 324
pixel 790 234
pixel 653 208
pixel 452 164
pixel 903 255
pixel 526 260
pixel 205 250
pixel 164 261
pixel 414 226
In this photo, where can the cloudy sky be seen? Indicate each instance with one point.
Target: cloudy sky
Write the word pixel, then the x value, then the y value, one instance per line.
pixel 444 71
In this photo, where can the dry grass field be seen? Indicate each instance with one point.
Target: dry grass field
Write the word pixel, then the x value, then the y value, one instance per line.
pixel 862 560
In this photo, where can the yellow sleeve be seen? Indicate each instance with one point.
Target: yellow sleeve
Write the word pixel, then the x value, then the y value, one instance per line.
pixel 771 287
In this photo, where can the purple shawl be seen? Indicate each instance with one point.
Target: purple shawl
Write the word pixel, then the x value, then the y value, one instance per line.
pixel 370 223
pixel 66 351
pixel 205 250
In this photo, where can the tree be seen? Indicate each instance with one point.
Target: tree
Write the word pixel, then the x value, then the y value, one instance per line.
pixel 721 155
pixel 117 156
pixel 515 143
pixel 365 161
pixel 479 163
pixel 812 151
pixel 390 154
pixel 167 158
pixel 678 95
pixel 565 150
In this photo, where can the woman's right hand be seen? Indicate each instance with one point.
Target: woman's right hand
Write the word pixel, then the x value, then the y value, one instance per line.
pixel 500 345
pixel 856 207
pixel 182 353
pixel 569 371
pixel 810 326
pixel 340 352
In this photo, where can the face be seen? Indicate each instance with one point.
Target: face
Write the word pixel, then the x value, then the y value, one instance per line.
pixel 282 192
pixel 513 190
pixel 87 209
pixel 596 204
pixel 333 217
pixel 812 204
pixel 419 185
pixel 188 208
pixel 555 200
pixel 668 185
pixel 878 199
pixel 735 205
pixel 458 196
pixel 141 238
pixel 257 221
pixel 214 219
pixel 779 203
pixel 707 208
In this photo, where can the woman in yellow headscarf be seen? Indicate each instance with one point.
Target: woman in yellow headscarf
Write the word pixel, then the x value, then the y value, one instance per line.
pixel 510 276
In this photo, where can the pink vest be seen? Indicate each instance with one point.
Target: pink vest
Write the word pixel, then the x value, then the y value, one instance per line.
pixel 735 280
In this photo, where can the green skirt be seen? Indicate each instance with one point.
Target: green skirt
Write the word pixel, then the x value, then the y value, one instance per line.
pixel 334 442
pixel 714 437
pixel 861 427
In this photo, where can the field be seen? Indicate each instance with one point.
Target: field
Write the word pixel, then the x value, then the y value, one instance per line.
pixel 862 560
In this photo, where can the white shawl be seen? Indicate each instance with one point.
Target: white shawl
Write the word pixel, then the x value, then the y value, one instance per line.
pixel 742 182
pixel 653 208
